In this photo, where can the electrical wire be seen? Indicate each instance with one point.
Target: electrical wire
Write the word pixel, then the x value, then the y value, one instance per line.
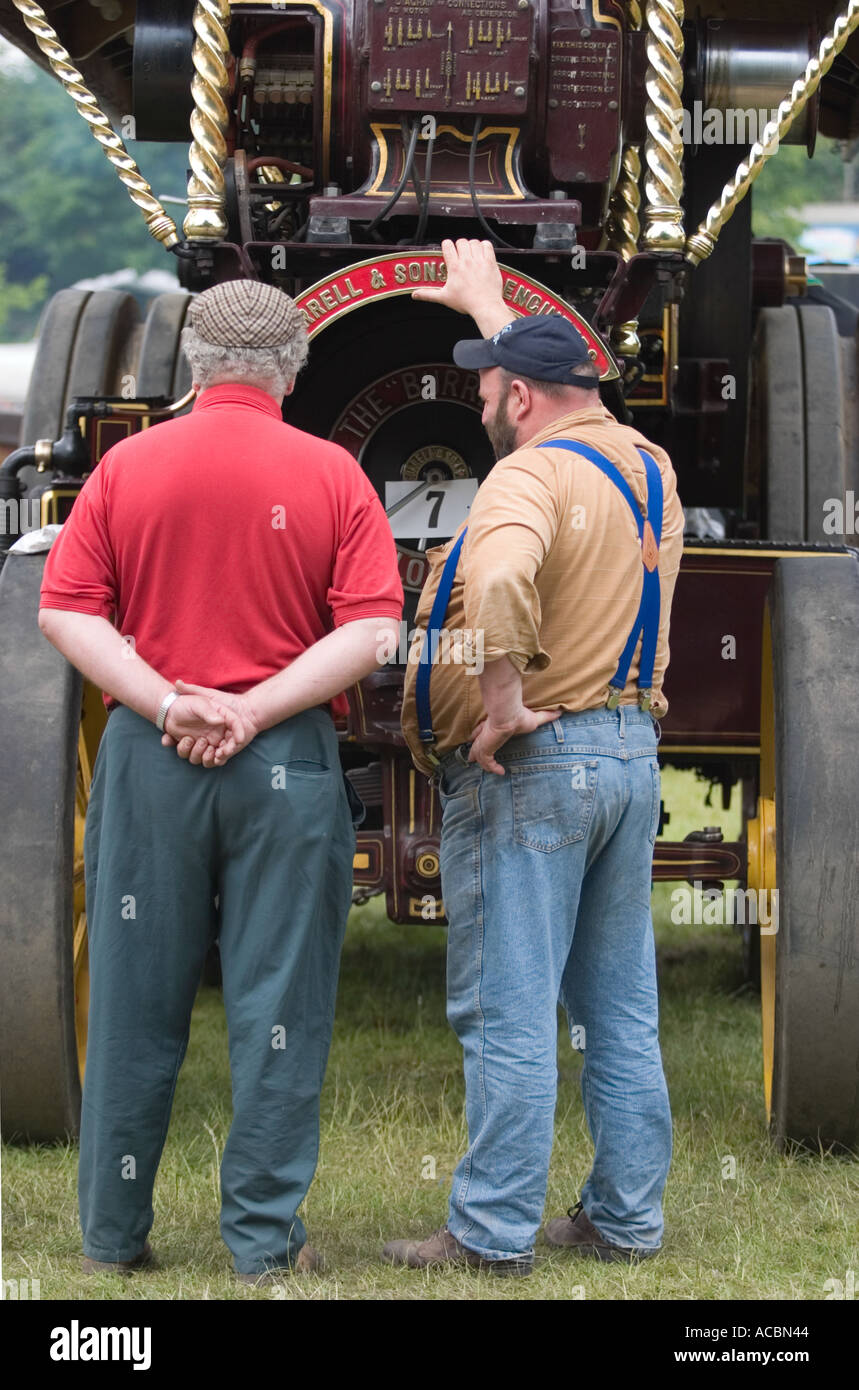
pixel 424 217
pixel 406 134
pixel 280 217
pixel 404 178
pixel 472 156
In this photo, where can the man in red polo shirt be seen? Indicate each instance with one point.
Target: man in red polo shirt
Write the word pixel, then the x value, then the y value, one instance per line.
pixel 230 551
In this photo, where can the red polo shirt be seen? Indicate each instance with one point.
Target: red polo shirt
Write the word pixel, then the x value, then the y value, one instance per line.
pixel 226 543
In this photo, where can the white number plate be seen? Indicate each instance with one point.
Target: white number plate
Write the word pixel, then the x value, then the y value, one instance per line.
pixel 436 509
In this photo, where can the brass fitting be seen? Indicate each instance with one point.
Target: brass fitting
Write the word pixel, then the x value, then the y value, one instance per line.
pixel 160 224
pixel 795 275
pixel 624 225
pixel 623 231
pixel 663 150
pixel 206 218
pixel 43 450
pixel 702 243
pixel 427 864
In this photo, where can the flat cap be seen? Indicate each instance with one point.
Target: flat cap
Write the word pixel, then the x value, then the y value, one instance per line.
pixel 245 313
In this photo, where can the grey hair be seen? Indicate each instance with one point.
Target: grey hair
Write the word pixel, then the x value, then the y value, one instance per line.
pixel 272 369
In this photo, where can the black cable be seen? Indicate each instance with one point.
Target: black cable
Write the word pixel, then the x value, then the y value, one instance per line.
pixel 404 129
pixel 280 217
pixel 472 156
pixel 424 217
pixel 404 178
pixel 277 222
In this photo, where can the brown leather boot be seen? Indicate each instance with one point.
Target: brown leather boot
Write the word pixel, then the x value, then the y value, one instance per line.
pixel 576 1232
pixel 145 1260
pixel 307 1261
pixel 442 1248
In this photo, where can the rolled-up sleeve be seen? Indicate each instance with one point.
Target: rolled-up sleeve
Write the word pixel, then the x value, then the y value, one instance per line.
pixel 80 571
pixel 365 581
pixel 511 528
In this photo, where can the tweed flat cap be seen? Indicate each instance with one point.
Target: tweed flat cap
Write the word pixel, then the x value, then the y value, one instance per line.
pixel 245 313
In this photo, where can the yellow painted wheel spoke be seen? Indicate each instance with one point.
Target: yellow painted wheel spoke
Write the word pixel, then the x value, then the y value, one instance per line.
pixel 93 720
pixel 762 874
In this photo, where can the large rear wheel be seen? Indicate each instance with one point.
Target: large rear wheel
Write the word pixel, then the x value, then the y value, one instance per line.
pixel 43 796
pixel 90 344
pixel 802 849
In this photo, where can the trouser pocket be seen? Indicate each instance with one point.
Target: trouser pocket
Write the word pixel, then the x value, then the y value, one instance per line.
pixel 553 802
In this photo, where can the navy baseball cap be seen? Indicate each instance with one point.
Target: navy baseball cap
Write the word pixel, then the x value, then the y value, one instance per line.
pixel 546 347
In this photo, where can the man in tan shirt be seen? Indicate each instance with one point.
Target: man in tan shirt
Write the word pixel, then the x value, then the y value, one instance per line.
pixel 551 813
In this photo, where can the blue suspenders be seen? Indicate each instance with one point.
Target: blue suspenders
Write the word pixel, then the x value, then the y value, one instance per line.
pixel 646 624
pixel 428 651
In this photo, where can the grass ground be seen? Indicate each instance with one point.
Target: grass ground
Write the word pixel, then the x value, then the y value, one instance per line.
pixel 763 1226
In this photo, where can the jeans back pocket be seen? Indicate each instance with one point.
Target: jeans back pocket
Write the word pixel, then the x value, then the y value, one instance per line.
pixel 553 802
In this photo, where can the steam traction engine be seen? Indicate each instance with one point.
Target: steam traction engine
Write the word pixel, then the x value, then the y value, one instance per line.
pixel 334 143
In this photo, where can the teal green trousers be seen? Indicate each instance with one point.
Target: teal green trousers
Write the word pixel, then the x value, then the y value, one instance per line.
pixel 271 835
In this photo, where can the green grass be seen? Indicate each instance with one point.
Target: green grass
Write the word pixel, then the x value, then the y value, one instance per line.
pixel 394 1097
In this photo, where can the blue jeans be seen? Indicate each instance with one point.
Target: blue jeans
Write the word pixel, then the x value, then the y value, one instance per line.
pixel 546 876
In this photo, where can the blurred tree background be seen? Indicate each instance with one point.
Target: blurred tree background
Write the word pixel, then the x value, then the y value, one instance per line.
pixel 788 182
pixel 64 215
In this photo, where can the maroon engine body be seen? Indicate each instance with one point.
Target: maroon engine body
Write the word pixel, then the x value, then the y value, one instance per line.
pixel 361 133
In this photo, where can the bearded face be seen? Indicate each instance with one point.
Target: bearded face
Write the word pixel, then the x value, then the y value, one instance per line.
pixel 500 428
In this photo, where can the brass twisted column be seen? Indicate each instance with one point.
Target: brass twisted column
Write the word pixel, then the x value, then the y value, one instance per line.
pixel 663 151
pixel 624 226
pixel 159 222
pixel 624 230
pixel 702 243
pixel 623 209
pixel 206 219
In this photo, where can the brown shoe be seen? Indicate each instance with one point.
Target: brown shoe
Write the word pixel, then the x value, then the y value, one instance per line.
pixel 307 1261
pixel 145 1260
pixel 575 1232
pixel 443 1248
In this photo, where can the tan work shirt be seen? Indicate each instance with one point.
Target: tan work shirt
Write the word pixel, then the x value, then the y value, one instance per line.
pixel 549 575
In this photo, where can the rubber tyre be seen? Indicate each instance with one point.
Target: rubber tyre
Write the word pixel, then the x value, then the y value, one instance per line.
pixel 87 344
pixel 825 397
pixel 782 424
pixel 46 397
pixel 161 368
pixel 40 706
pixel 805 410
pixel 105 347
pixel 813 613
